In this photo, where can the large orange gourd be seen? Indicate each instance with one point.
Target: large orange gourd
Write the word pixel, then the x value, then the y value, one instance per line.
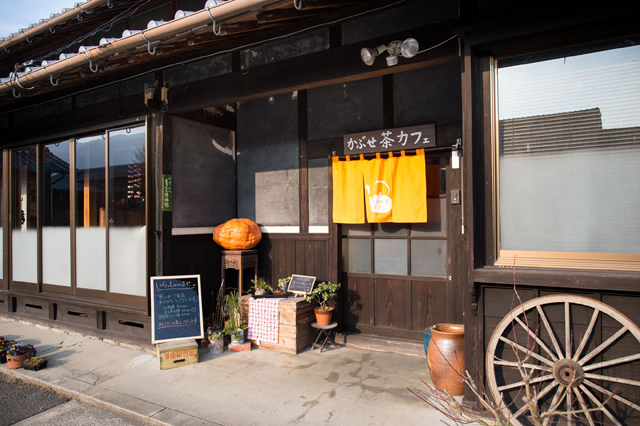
pixel 237 234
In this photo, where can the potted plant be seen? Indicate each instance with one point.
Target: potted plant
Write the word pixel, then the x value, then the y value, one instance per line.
pixel 283 285
pixel 260 287
pixel 18 352
pixel 36 363
pixel 234 326
pixel 322 293
pixel 4 345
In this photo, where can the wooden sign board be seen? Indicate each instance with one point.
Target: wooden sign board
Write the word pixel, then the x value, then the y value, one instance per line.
pixel 403 138
pixel 301 284
pixel 176 308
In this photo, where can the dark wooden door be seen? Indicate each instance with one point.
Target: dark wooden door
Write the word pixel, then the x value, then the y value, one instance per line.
pixel 382 297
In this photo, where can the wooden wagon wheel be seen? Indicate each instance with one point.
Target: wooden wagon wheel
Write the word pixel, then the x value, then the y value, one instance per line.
pixel 572 349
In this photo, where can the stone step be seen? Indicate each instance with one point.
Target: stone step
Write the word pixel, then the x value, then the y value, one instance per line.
pixel 381 344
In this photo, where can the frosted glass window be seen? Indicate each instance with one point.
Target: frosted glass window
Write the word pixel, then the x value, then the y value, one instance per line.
pixel 56 231
pixel 429 258
pixel 24 204
pixel 91 238
pixel 390 256
pixel 569 153
pixel 356 255
pixel 436 219
pixel 127 213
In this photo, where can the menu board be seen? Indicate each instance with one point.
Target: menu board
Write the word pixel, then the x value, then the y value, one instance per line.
pixel 176 308
pixel 301 284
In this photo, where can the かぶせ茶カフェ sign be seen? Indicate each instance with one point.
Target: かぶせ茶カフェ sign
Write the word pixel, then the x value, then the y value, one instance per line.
pixel 404 138
pixel 176 308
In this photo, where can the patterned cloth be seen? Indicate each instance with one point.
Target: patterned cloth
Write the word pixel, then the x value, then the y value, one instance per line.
pixel 263 320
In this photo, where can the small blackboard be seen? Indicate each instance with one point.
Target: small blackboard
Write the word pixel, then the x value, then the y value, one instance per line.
pixel 176 308
pixel 301 284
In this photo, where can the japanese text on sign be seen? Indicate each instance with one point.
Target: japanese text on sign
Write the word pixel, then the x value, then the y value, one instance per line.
pixel 176 308
pixel 415 137
pixel 167 193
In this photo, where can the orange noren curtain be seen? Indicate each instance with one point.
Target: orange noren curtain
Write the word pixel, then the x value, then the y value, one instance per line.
pixel 347 191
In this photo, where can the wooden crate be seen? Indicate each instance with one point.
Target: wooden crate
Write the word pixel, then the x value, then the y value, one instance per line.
pixel 177 354
pixel 295 333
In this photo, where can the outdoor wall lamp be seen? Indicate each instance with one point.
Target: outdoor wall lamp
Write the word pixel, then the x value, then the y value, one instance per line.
pixel 407 49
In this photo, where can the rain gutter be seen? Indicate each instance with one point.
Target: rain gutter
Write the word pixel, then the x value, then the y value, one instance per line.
pixel 215 14
pixel 50 24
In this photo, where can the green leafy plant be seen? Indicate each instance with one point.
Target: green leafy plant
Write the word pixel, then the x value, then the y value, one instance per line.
pixel 322 293
pixel 260 283
pixel 36 361
pixel 283 283
pixel 21 349
pixel 232 310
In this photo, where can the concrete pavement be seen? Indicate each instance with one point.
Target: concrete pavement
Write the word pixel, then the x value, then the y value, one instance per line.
pixel 344 386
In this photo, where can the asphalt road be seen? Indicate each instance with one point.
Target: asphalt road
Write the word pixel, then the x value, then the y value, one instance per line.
pixel 26 404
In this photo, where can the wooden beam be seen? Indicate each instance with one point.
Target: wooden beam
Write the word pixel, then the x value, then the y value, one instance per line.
pixel 327 67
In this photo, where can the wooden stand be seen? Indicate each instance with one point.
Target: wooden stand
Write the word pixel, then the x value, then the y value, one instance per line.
pixel 177 354
pixel 294 331
pixel 240 260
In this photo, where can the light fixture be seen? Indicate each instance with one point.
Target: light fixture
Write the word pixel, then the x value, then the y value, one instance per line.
pixel 406 49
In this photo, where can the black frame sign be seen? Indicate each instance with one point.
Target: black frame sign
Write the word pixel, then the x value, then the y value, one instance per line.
pixel 403 138
pixel 301 284
pixel 176 308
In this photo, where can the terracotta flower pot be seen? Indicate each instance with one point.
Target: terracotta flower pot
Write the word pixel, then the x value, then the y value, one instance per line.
pixel 323 317
pixel 16 361
pixel 446 358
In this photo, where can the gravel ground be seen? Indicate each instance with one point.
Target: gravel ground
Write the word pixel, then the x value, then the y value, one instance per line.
pixel 20 400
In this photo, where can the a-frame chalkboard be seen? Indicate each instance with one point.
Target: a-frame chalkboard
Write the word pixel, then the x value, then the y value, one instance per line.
pixel 176 308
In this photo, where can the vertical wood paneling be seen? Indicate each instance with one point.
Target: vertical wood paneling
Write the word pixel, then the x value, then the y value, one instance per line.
pixel 426 304
pixel 393 303
pixel 358 302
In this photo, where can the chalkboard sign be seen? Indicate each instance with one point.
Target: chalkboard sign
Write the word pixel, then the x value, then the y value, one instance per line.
pixel 176 308
pixel 301 284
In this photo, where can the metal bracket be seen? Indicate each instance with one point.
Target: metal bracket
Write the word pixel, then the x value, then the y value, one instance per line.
pixel 298 4
pixel 219 32
pixel 90 63
pixel 51 77
pixel 51 29
pixel 5 49
pixel 14 93
pixel 149 45
pixel 78 14
pixel 110 4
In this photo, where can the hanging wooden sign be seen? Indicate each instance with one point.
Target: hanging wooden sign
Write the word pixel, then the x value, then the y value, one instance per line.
pixel 415 137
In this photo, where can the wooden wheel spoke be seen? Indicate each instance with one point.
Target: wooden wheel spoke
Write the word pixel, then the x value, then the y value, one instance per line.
pixel 612 394
pixel 536 338
pixel 587 334
pixel 612 379
pixel 552 335
pixel 598 404
pixel 531 381
pixel 523 364
pixel 611 362
pixel 528 352
pixel 542 393
pixel 585 407
pixel 567 330
pixel 554 401
pixel 603 346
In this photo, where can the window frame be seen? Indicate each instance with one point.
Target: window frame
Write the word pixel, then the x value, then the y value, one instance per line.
pixel 530 258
